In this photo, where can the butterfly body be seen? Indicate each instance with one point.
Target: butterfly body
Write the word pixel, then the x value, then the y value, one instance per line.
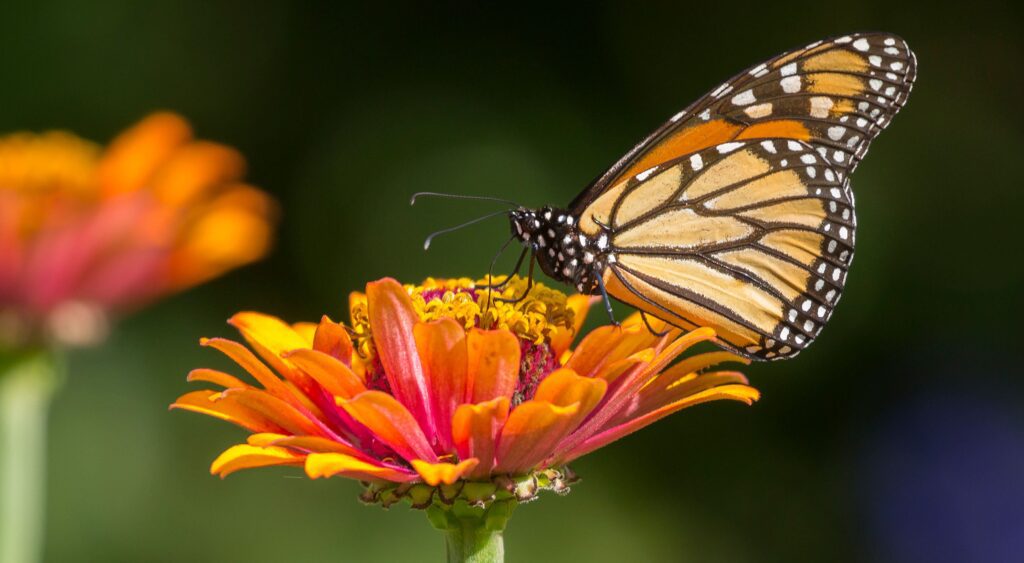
pixel 562 251
pixel 737 213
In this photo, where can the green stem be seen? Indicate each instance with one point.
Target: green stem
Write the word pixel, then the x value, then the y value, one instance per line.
pixel 472 542
pixel 27 382
pixel 472 534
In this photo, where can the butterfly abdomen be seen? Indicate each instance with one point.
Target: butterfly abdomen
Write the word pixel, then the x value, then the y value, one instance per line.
pixel 563 252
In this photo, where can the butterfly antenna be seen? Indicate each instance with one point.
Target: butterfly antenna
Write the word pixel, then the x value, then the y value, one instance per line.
pixel 426 243
pixel 417 195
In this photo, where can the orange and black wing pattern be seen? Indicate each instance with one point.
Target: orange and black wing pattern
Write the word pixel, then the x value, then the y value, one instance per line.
pixel 836 95
pixel 737 213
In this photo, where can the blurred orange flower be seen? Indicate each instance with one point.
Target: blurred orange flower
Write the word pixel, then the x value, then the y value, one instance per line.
pixel 441 383
pixel 85 231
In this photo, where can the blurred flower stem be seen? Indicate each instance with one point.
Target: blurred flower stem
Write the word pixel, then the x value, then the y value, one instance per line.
pixel 473 534
pixel 28 379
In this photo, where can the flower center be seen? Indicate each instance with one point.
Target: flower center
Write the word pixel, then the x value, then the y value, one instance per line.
pixel 533 319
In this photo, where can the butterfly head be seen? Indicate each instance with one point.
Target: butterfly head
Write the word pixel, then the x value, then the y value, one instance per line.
pixel 561 250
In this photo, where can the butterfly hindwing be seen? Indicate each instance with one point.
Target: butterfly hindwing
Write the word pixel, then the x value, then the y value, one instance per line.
pixel 835 95
pixel 752 237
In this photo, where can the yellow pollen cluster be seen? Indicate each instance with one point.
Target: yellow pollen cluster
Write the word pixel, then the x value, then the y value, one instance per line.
pixel 536 318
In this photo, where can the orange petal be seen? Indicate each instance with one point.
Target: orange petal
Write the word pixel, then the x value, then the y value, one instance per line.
pixel 494 357
pixel 475 430
pixel 393 317
pixel 391 423
pixel 564 387
pixel 741 393
pixel 217 378
pixel 269 336
pixel 331 374
pixel 530 435
pixel 194 170
pixel 133 157
pixel 655 397
pixel 442 349
pixel 316 444
pixel 607 344
pixel 434 474
pixel 214 404
pixel 233 229
pixel 627 386
pixel 244 358
pixel 307 331
pixel 700 362
pixel 331 464
pixel 264 439
pixel 579 304
pixel 332 339
pixel 611 372
pixel 281 413
pixel 244 456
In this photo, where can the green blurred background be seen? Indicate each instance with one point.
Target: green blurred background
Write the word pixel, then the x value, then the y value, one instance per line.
pixel 897 437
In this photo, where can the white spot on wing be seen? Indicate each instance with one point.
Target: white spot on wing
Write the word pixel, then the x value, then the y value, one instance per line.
pixel 744 98
pixel 729 147
pixel 861 44
pixel 696 162
pixel 790 84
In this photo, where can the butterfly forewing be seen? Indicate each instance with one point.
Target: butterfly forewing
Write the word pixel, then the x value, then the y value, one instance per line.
pixel 751 237
pixel 836 95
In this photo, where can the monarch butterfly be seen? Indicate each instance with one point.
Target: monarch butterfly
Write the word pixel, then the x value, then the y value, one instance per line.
pixel 737 212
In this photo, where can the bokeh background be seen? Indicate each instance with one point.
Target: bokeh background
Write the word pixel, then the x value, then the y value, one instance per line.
pixel 899 436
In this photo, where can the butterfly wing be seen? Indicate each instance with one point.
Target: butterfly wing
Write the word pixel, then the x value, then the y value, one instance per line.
pixel 835 95
pixel 751 237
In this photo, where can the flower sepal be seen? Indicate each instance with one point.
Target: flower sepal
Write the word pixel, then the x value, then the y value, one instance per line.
pixel 477 494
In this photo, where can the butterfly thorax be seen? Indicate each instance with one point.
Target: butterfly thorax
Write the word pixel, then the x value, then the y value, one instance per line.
pixel 562 251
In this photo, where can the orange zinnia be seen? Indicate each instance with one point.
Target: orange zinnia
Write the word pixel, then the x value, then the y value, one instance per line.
pixel 446 396
pixel 86 231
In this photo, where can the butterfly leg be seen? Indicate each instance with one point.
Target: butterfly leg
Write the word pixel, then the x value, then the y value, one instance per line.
pixel 607 301
pixel 515 271
pixel 529 284
pixel 650 328
pixel 490 269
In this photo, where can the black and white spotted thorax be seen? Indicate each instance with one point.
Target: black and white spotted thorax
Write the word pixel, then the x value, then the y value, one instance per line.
pixel 562 251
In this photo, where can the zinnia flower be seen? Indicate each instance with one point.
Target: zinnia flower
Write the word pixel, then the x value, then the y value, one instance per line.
pixel 87 231
pixel 446 396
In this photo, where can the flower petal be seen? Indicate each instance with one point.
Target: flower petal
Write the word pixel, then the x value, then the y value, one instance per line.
pixel 475 430
pixel 269 336
pixel 133 157
pixel 193 170
pixel 280 412
pixel 247 360
pixel 434 474
pixel 391 423
pixel 331 464
pixel 564 387
pixel 629 384
pixel 332 339
pixel 612 371
pixel 217 378
pixel 530 435
pixel 442 348
pixel 494 357
pixel 579 304
pixel 244 456
pixel 333 375
pixel 215 404
pixel 606 344
pixel 736 392
pixel 307 331
pixel 316 444
pixel 392 317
